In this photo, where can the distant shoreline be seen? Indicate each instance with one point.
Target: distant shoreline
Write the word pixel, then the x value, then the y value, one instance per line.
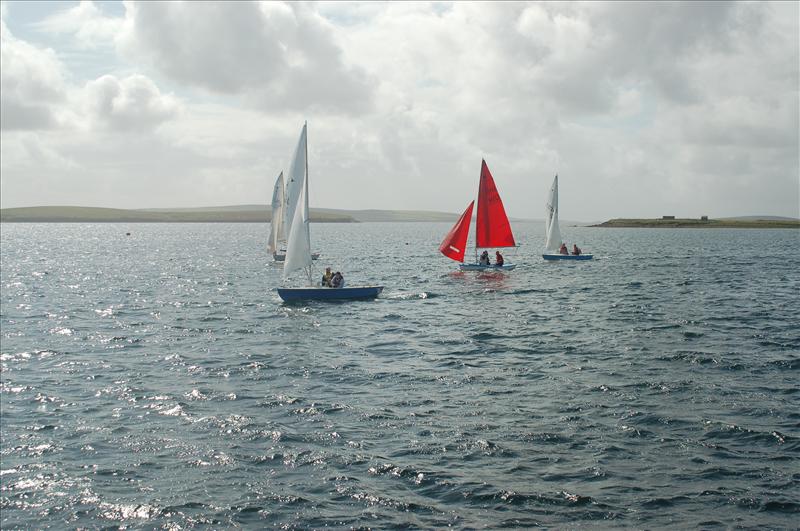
pixel 231 214
pixel 693 223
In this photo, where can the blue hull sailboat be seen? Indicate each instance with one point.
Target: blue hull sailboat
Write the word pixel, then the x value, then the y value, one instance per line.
pixel 298 250
pixel 553 241
pixel 329 294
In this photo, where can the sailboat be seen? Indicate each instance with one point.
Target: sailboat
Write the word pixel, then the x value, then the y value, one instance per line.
pixel 492 228
pixel 283 197
pixel 298 247
pixel 552 232
pixel 276 234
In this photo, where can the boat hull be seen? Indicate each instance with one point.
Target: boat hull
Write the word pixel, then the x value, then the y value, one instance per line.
pixel 282 257
pixel 567 257
pixel 329 294
pixel 479 267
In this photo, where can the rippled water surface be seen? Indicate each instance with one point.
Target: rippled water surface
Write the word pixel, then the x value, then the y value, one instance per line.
pixel 156 380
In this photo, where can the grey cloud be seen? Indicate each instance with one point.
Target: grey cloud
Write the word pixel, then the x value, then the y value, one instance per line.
pixel 17 115
pixel 627 43
pixel 277 56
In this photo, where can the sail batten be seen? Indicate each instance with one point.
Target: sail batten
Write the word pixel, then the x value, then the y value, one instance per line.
pixel 492 228
pixel 455 243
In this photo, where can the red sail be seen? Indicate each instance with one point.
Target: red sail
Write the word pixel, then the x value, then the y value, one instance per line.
pixel 493 228
pixel 455 243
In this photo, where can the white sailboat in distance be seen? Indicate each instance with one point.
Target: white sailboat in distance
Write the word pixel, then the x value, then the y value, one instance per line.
pixel 552 232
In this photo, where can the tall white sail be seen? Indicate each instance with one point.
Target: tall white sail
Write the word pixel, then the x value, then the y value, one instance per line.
pixel 552 232
pixel 294 181
pixel 298 245
pixel 276 233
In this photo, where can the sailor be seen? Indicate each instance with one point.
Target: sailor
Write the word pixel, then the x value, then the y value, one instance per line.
pixel 498 259
pixel 576 250
pixel 563 249
pixel 484 258
pixel 326 278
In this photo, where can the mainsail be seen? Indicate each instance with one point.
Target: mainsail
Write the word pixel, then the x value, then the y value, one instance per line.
pixel 276 234
pixel 492 228
pixel 298 245
pixel 552 232
pixel 455 243
pixel 294 180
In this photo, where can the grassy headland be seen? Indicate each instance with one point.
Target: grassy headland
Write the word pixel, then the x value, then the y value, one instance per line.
pixel 690 223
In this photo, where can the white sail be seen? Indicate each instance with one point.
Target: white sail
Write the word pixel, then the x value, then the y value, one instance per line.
pixel 276 234
pixel 294 181
pixel 298 246
pixel 552 232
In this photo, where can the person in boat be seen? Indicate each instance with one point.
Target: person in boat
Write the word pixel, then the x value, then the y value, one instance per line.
pixel 563 249
pixel 498 259
pixel 484 258
pixel 576 250
pixel 327 278
pixel 338 280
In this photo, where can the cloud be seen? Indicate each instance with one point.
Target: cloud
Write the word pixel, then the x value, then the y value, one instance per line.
pixel 277 56
pixel 132 103
pixel 643 109
pixel 91 28
pixel 32 84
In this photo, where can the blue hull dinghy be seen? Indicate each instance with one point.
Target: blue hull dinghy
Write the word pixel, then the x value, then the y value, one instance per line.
pixel 298 243
pixel 329 294
pixel 479 267
pixel 567 257
pixel 554 248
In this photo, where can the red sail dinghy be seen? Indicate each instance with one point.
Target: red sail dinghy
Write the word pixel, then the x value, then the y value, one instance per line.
pixel 492 228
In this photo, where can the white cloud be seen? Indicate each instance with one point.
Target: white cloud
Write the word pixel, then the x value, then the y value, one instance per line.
pixel 277 56
pixel 91 28
pixel 643 109
pixel 132 103
pixel 31 84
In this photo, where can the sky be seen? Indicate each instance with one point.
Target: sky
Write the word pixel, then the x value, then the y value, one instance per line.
pixel 642 109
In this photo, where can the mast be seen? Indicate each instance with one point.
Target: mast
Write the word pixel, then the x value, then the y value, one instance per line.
pixel 478 202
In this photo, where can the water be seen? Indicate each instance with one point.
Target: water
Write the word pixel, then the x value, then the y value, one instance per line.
pixel 156 381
